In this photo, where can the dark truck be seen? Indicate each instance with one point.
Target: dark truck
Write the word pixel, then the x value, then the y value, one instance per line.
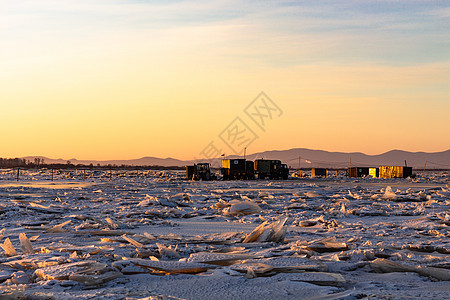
pixel 271 169
pixel 201 171
pixel 237 169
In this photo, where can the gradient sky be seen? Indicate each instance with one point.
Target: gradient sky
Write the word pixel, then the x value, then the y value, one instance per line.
pixel 127 79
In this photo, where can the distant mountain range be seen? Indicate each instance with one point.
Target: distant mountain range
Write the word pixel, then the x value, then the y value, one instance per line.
pixel 309 158
pixel 325 159
pixel 144 161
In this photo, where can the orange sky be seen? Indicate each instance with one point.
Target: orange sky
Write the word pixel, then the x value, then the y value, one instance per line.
pixel 124 79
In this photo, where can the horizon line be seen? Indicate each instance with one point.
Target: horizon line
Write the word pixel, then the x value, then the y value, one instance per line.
pixel 195 159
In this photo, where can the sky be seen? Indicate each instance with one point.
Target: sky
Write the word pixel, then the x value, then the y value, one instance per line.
pixel 191 79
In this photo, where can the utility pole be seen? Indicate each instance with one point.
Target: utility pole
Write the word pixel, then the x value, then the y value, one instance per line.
pixel 245 150
pixel 299 166
pixel 348 172
pixel 423 173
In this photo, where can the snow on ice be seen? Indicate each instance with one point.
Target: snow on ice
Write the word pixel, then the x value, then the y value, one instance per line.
pixel 158 236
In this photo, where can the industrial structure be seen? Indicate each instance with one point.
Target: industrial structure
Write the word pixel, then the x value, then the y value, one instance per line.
pixel 201 171
pixel 237 169
pixel 271 169
pixel 395 172
pixel 381 172
pixel 240 169
pixel 358 171
pixel 319 172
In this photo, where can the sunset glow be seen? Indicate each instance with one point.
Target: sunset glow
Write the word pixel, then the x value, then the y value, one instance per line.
pixel 127 79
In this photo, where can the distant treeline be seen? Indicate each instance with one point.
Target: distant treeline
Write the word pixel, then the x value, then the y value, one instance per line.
pixel 40 163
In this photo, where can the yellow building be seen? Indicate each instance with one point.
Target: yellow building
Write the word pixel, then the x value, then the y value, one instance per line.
pixel 394 172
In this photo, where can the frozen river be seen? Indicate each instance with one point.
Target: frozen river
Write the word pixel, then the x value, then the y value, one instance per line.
pixel 154 235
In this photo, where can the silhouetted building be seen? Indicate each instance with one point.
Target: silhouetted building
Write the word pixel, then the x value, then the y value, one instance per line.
pixel 394 172
pixel 358 171
pixel 319 172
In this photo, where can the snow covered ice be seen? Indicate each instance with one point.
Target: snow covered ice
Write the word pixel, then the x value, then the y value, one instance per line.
pixel 157 235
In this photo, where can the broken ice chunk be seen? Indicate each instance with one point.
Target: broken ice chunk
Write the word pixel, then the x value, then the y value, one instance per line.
pixel 95 280
pixel 25 244
pixel 241 208
pixel 8 248
pixel 171 267
pixel 133 242
pixel 274 232
pixel 387 266
pixel 58 228
pixel 221 259
pixel 62 272
pixel 167 251
pixel 389 194
pixel 327 245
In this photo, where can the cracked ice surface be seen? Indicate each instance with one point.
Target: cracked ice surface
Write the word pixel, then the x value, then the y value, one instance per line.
pixel 157 235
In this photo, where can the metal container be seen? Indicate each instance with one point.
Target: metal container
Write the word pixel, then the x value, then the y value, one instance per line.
pixel 319 172
pixel 190 171
pixel 407 172
pixel 266 168
pixel 374 172
pixel 395 172
pixel 234 164
pixel 234 169
pixel 262 165
pixel 250 169
pixel 358 171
